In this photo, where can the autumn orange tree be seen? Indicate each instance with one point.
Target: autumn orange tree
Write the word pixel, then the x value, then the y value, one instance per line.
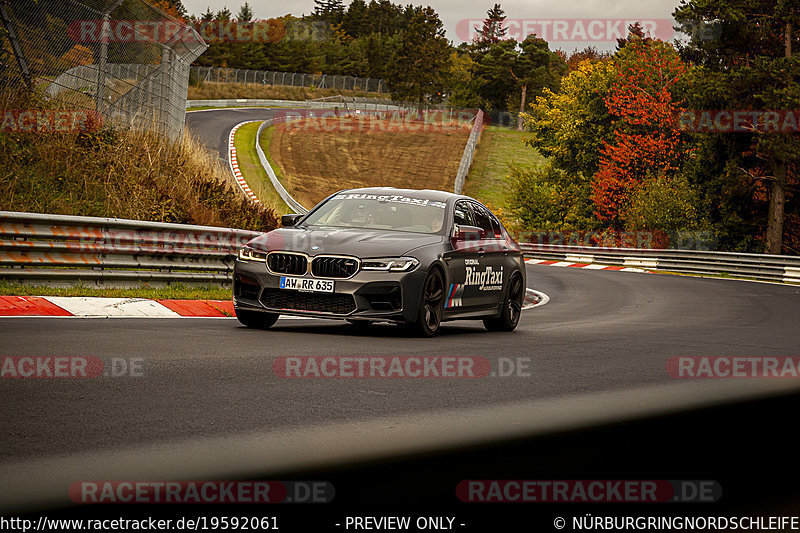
pixel 646 149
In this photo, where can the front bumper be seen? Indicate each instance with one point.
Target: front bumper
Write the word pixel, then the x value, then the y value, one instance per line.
pixel 368 295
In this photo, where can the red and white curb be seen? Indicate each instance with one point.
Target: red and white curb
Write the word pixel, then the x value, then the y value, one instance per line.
pixel 97 307
pixel 534 298
pixel 91 307
pixel 234 163
pixel 587 266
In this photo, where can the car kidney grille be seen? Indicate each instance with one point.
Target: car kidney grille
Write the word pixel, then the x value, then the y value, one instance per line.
pixel 287 263
pixel 339 304
pixel 333 267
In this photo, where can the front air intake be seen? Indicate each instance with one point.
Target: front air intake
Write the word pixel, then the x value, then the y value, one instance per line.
pixel 285 263
pixel 333 267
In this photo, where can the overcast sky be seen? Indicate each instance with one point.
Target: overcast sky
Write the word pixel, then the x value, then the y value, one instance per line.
pixel 534 12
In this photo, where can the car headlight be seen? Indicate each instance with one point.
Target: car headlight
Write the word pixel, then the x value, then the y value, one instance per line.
pixel 248 254
pixel 390 264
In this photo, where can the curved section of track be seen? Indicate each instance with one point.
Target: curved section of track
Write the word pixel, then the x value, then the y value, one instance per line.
pixel 213 126
pixel 600 332
pixel 597 348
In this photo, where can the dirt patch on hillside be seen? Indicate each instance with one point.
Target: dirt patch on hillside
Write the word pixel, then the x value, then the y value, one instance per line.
pixel 319 157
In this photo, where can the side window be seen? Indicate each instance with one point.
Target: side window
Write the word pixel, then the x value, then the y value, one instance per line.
pixel 462 215
pixel 496 227
pixel 484 220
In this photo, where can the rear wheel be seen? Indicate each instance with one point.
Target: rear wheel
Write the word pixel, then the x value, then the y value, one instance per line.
pixel 431 307
pixel 256 319
pixel 512 307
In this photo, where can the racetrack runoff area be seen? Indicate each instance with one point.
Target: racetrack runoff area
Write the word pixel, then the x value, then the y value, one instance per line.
pixel 319 156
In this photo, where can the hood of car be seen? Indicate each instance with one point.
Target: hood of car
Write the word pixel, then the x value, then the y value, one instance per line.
pixel 357 242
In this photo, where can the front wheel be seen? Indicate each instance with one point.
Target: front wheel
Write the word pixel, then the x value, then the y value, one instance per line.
pixel 256 319
pixel 512 307
pixel 429 317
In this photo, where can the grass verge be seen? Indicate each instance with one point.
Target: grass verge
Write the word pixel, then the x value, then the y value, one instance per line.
pixel 254 174
pixel 497 150
pixel 173 292
pixel 108 172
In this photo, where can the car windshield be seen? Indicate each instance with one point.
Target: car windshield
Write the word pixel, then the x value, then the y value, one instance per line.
pixel 386 212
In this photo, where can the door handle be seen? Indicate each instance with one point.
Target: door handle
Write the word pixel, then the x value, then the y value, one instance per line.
pixel 481 251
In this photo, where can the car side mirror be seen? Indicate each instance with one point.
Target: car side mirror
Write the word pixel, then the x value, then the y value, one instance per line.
pixel 290 220
pixel 468 233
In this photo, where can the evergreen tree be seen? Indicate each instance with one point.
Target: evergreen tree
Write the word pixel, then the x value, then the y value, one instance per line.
pixel 420 64
pixel 385 17
pixel 245 13
pixel 747 52
pixel 492 30
pixel 331 11
pixel 636 33
pixel 535 69
pixel 355 21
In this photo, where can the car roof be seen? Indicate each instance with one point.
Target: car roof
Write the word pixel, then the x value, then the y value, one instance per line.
pixel 431 194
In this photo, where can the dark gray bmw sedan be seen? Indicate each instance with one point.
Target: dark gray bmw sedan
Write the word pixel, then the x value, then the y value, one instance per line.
pixel 415 257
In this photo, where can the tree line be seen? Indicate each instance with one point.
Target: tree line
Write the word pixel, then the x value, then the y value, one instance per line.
pixel 402 44
pixel 620 155
pixel 698 135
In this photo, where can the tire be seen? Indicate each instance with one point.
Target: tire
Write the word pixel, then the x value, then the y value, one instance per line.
pixel 256 319
pixel 431 307
pixel 512 307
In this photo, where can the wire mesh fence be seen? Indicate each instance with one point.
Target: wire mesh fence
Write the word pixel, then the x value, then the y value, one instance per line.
pixel 200 75
pixel 124 60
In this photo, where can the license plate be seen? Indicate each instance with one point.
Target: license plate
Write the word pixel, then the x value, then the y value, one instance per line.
pixel 306 284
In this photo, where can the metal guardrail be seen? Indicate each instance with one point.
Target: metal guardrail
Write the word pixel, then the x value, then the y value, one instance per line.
pixel 756 266
pixel 466 159
pixel 469 152
pixel 118 252
pixel 279 188
pixel 114 252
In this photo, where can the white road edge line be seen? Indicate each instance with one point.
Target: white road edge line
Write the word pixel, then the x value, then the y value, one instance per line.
pixel 543 299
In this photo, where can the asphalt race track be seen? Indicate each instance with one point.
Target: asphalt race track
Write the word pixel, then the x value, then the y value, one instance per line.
pixel 601 331
pixel 594 399
pixel 213 126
